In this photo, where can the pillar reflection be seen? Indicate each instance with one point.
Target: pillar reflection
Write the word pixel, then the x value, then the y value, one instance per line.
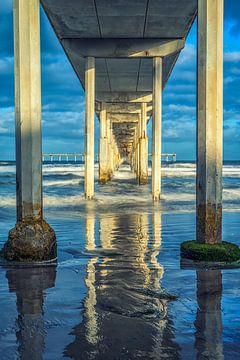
pixel 29 284
pixel 123 304
pixel 209 317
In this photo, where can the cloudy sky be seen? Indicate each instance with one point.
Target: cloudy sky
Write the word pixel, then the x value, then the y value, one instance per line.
pixel 63 97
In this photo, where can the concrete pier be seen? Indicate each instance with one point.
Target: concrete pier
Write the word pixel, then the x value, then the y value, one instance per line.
pixel 209 121
pixel 32 239
pixel 89 127
pixel 130 74
pixel 156 128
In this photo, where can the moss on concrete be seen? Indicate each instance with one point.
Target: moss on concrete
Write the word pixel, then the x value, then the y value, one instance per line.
pixel 223 252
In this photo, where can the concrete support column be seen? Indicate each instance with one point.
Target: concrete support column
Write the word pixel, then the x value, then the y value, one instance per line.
pixel 89 127
pixel 156 128
pixel 135 150
pixel 109 137
pixel 32 239
pixel 209 121
pixel 143 147
pixel 103 147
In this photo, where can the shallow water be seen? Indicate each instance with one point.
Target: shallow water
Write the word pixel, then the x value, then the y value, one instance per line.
pixel 117 291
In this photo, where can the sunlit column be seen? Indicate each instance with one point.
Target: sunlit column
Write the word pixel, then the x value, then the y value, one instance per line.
pixel 28 109
pixel 156 128
pixel 209 121
pixel 103 146
pixel 143 147
pixel 89 126
pixel 32 239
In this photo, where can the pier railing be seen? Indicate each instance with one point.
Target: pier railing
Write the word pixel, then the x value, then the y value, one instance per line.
pixel 81 157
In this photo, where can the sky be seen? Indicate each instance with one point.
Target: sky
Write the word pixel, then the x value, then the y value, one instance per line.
pixel 63 97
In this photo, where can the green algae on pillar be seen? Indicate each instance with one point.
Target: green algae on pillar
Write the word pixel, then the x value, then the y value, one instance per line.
pixel 32 239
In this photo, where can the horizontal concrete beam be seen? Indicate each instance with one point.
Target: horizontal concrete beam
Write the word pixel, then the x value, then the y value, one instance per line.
pixel 123 108
pixel 132 118
pixel 116 48
pixel 124 97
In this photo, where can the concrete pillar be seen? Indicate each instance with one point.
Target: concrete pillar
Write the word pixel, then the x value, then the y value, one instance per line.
pixel 103 147
pixel 109 137
pixel 111 155
pixel 156 128
pixel 136 150
pixel 209 121
pixel 89 127
pixel 32 239
pixel 143 147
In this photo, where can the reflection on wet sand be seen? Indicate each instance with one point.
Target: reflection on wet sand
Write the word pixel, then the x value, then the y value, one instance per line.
pixel 209 320
pixel 29 285
pixel 124 313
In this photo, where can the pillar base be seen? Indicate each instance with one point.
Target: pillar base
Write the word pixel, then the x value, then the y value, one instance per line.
pixel 224 252
pixel 143 180
pixel 156 197
pixel 104 178
pixel 30 241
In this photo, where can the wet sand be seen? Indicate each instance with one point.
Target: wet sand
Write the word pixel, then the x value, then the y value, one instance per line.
pixel 117 291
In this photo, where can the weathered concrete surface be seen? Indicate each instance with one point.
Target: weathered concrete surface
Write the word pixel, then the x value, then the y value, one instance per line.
pixel 156 128
pixel 116 48
pixel 89 127
pixel 28 109
pixel 31 241
pixel 143 19
pixel 209 121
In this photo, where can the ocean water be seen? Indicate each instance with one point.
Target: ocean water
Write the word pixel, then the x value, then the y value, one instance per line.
pixel 118 290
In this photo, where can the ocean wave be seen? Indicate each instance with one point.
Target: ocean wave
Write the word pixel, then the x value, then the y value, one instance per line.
pixel 70 182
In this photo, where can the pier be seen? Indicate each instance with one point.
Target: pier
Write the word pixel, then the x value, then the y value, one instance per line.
pixel 81 157
pixel 123 54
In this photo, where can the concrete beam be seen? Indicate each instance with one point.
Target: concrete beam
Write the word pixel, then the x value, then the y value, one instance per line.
pixel 124 97
pixel 89 127
pixel 117 48
pixel 124 108
pixel 210 121
pixel 123 117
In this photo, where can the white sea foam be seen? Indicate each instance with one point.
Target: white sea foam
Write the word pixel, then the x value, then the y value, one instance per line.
pixel 67 182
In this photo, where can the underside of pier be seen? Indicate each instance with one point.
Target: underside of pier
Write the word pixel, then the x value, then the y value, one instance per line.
pixel 123 52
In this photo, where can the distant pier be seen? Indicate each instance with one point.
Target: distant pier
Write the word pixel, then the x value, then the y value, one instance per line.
pixel 81 157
